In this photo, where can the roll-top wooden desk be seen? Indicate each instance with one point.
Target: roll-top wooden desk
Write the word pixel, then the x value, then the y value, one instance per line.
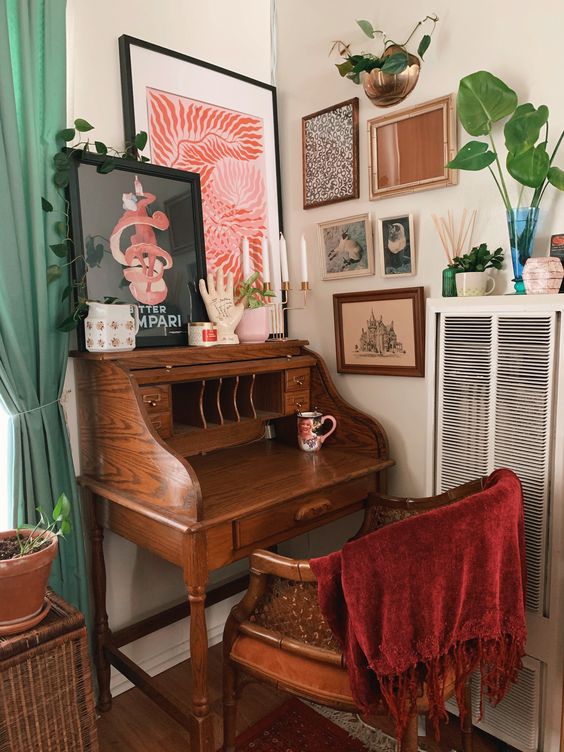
pixel 175 458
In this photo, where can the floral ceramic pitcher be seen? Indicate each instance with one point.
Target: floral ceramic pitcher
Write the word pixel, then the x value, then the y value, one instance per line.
pixel 111 327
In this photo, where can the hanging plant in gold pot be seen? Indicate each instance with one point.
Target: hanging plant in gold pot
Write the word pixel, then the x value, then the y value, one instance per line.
pixel 389 77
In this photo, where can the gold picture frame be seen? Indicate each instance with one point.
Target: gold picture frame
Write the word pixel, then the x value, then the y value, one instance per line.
pixel 346 247
pixel 408 150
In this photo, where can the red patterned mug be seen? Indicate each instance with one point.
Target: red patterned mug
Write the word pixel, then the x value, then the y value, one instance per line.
pixel 310 438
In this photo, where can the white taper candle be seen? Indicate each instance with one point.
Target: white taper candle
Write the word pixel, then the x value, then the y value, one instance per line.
pixel 265 260
pixel 303 258
pixel 246 259
pixel 284 259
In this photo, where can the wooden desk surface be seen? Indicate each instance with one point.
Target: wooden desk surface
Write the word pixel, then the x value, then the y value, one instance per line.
pixel 260 475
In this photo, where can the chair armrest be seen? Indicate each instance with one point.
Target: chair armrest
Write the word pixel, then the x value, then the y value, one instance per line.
pixel 268 563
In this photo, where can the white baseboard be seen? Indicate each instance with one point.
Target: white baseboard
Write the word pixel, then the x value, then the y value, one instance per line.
pixel 169 646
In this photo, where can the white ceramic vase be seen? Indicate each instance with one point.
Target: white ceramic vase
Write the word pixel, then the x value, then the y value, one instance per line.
pixel 111 327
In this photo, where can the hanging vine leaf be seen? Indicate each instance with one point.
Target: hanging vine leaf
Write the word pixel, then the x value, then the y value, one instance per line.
pixel 82 125
pixel 424 45
pixel 66 293
pixel 61 178
pixel 367 28
pixel 61 161
pixel 106 166
pixel 60 228
pixel 100 147
pixel 53 272
pixel 67 134
pixel 141 140
pixel 94 252
pixel 59 249
pixel 47 206
pixel 395 63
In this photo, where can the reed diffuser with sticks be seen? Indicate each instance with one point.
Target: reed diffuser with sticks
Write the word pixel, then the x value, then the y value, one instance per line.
pixel 454 238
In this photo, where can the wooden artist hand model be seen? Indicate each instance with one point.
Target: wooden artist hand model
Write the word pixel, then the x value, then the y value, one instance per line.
pixel 221 307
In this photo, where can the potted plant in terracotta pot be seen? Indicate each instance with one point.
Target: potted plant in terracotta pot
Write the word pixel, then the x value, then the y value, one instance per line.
pixel 26 556
pixel 472 279
pixel 255 323
pixel 388 77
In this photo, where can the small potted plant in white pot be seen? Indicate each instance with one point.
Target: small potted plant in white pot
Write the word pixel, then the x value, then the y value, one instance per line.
pixel 26 556
pixel 255 323
pixel 471 279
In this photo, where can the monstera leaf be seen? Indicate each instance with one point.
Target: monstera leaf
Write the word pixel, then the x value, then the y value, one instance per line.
pixel 529 167
pixel 523 128
pixel 473 156
pixel 482 100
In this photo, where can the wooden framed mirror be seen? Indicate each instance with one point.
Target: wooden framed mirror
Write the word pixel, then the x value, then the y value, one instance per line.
pixel 408 150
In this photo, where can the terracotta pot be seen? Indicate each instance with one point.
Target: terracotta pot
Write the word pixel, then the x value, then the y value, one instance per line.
pixel 23 584
pixel 387 89
pixel 255 325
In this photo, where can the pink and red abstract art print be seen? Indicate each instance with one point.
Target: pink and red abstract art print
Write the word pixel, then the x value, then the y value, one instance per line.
pixel 226 148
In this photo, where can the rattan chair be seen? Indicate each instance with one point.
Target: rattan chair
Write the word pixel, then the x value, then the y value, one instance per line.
pixel 278 635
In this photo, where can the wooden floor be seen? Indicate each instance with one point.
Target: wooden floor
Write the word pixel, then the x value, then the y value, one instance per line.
pixel 136 724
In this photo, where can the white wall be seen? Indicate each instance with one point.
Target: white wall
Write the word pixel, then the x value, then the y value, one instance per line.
pixel 234 34
pixel 511 43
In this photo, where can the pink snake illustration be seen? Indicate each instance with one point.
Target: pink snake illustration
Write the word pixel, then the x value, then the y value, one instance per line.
pixel 144 259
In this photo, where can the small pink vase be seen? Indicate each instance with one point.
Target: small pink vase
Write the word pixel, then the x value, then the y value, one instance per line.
pixel 255 325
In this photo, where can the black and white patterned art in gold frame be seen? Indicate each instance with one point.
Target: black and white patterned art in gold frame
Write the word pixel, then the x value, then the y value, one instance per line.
pixel 330 154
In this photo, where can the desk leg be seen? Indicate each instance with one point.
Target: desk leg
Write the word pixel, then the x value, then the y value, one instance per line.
pixel 101 630
pixel 201 736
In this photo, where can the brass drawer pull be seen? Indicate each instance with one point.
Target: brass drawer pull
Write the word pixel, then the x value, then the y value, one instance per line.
pixel 312 510
pixel 151 399
pixel 299 380
pixel 298 405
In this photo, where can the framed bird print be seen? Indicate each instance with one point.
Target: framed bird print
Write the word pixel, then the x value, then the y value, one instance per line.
pixel 396 243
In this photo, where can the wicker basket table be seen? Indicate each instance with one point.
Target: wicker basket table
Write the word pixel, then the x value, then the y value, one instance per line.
pixel 46 700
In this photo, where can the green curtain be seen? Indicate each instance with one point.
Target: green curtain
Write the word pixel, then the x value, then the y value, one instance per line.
pixel 33 353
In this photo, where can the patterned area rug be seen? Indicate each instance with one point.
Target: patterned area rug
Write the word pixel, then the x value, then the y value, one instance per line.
pixel 296 727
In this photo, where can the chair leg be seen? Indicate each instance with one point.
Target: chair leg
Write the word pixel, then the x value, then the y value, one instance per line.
pixel 410 738
pixel 229 705
pixel 467 726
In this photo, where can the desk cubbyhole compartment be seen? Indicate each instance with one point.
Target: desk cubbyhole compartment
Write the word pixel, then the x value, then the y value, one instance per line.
pixel 188 405
pixel 212 402
pixel 268 395
pixel 228 399
pixel 245 396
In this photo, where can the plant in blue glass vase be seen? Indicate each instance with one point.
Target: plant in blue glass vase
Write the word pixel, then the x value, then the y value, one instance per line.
pixel 482 101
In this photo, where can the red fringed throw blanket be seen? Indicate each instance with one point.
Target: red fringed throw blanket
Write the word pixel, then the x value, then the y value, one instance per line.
pixel 440 592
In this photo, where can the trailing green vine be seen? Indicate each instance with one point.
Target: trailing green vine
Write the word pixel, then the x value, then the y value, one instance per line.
pixel 62 160
pixel 394 58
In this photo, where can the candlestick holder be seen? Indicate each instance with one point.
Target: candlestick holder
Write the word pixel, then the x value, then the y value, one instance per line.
pixel 278 309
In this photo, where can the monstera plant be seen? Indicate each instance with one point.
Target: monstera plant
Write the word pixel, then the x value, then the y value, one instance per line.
pixel 482 101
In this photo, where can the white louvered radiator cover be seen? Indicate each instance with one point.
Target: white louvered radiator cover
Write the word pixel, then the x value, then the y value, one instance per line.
pixel 515 720
pixel 495 412
pixel 495 376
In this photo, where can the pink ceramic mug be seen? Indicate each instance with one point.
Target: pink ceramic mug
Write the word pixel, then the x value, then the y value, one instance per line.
pixel 309 424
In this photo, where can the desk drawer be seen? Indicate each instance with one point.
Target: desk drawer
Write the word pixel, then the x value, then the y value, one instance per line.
pixel 156 398
pixel 298 513
pixel 296 380
pixel 294 402
pixel 162 423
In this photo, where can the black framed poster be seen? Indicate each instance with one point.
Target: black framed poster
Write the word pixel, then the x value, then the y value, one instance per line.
pixel 138 237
